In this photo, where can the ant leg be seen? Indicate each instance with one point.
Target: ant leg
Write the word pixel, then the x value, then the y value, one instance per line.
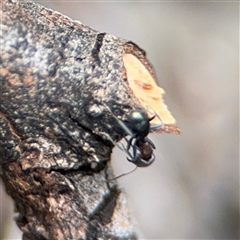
pixel 130 157
pixel 129 142
pixel 118 144
pixel 134 147
pixel 134 152
pixel 122 147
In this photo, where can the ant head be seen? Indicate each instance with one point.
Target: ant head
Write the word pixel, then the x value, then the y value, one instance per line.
pixel 139 122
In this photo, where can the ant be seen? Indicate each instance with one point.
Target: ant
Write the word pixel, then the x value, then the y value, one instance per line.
pixel 142 147
pixel 139 147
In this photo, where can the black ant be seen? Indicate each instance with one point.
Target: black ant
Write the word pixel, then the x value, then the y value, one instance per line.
pixel 139 147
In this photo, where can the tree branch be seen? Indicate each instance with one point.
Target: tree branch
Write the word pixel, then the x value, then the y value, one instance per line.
pixel 58 80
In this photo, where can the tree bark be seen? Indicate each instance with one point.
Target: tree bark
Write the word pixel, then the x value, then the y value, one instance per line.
pixel 60 83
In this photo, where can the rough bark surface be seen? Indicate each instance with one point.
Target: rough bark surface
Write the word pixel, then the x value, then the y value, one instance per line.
pixel 56 78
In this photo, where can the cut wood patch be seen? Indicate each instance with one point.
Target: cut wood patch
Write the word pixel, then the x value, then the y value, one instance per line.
pixel 145 88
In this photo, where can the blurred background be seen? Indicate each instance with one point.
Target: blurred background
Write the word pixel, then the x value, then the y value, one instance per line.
pixel 191 191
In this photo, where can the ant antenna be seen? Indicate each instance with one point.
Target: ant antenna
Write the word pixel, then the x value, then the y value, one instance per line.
pixel 121 175
pixel 127 130
pixel 156 126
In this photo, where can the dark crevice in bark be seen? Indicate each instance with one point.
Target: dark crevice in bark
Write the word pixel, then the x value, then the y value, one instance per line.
pixel 96 48
pixel 89 130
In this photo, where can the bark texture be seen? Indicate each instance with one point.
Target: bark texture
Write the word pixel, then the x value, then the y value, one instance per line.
pixel 58 80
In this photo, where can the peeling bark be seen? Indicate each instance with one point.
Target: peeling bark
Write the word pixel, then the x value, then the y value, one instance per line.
pixel 56 134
